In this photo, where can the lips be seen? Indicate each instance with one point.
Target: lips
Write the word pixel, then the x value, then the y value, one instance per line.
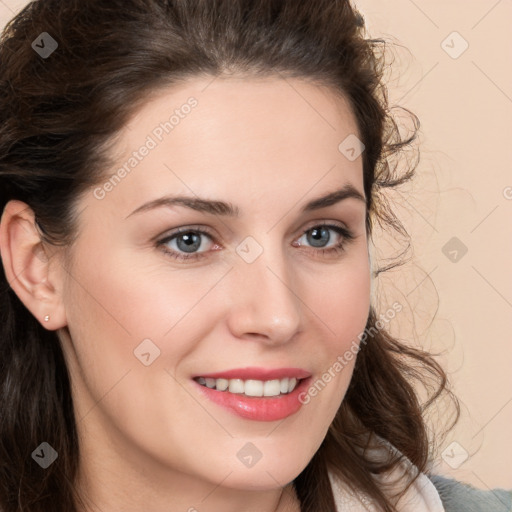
pixel 259 394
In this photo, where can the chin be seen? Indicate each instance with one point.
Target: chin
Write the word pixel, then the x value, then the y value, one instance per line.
pixel 262 480
pixel 273 474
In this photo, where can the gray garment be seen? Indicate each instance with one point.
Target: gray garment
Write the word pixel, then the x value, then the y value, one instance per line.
pixel 460 497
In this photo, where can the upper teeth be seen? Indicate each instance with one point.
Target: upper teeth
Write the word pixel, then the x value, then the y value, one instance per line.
pixel 251 387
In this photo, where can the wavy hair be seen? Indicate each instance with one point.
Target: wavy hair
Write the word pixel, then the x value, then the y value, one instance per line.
pixel 58 118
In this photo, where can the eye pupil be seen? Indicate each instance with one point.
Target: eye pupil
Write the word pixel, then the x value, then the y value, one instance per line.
pixel 319 236
pixel 191 240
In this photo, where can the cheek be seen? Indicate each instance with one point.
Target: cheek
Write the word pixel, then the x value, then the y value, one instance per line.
pixel 342 307
pixel 125 293
pixel 343 302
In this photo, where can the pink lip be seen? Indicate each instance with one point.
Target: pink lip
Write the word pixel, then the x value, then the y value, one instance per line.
pixel 258 408
pixel 256 373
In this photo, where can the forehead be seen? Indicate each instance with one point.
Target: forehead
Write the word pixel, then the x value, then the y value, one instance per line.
pixel 245 96
pixel 209 134
pixel 233 109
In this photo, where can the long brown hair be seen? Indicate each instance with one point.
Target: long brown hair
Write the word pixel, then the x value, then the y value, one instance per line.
pixel 58 114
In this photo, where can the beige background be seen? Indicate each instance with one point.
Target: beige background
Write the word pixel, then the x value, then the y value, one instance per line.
pixel 463 189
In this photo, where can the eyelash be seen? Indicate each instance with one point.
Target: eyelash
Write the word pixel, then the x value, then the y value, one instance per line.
pixel 346 234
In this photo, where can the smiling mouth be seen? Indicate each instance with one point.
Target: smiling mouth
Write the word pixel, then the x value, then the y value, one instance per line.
pixel 250 387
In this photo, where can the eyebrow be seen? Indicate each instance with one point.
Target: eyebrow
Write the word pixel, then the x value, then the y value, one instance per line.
pixel 227 209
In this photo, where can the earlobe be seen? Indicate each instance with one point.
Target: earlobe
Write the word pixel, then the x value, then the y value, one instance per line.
pixel 26 265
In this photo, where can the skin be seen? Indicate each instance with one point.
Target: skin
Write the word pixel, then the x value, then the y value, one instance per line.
pixel 149 440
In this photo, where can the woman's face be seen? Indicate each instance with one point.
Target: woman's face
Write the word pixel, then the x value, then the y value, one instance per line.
pixel 264 297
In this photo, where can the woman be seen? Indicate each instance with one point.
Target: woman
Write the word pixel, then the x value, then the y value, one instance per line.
pixel 188 192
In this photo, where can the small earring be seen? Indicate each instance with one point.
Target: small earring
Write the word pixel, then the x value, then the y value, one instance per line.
pixel 46 318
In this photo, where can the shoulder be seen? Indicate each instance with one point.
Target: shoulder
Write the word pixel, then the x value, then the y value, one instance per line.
pixel 461 497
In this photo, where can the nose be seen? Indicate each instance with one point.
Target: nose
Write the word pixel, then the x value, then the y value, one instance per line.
pixel 266 305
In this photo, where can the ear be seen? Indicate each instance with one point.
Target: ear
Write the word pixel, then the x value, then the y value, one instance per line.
pixel 27 265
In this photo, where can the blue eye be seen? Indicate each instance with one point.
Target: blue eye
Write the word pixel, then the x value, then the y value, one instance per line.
pixel 186 242
pixel 320 235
